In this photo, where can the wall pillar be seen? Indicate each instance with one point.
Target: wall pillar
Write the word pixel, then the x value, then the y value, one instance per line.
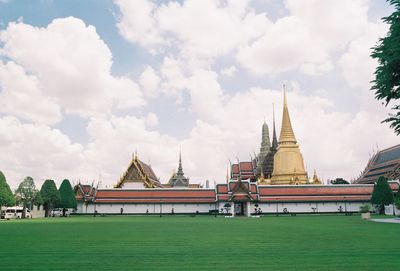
pixel 248 212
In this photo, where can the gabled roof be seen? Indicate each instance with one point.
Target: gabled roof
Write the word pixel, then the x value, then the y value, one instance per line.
pixel 140 172
pixel 244 170
pixel 383 163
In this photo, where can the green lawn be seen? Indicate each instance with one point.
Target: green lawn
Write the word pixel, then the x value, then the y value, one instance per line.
pixel 199 243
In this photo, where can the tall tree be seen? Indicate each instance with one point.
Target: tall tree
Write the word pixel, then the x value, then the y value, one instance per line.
pixel 387 75
pixel 6 196
pixel 37 199
pixel 26 192
pixel 382 194
pixel 67 196
pixel 50 196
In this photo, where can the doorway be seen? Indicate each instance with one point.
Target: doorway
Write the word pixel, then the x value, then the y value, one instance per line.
pixel 240 208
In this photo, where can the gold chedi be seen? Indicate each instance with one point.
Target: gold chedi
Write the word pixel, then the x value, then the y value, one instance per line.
pixel 288 160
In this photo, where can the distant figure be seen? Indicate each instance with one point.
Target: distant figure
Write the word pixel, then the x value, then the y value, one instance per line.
pixel 147 211
pixel 122 210
pixel 172 211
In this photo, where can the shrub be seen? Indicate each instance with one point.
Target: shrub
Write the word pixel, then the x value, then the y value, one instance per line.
pixel 366 208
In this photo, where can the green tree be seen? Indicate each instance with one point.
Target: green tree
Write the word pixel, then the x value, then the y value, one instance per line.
pixel 339 181
pixel 382 194
pixel 50 196
pixel 26 192
pixel 37 199
pixel 6 196
pixel 387 75
pixel 67 195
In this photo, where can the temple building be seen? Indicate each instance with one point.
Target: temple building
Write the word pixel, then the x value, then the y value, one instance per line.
pixel 383 163
pixel 264 150
pixel 267 164
pixel 138 175
pixel 178 179
pixel 288 160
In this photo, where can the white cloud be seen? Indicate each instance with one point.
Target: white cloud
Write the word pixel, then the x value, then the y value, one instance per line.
pixel 356 64
pixel 151 120
pixel 72 66
pixel 21 96
pixel 139 24
pixel 306 37
pixel 229 71
pixel 38 151
pixel 149 81
pixel 200 30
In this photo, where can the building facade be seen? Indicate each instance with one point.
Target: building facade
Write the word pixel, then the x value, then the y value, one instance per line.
pixel 235 198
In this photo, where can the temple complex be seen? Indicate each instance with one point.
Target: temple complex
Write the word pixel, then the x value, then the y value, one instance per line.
pixel 279 163
pixel 273 182
pixel 288 161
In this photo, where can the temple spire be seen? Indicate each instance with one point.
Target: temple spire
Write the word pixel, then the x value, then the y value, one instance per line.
pixel 179 178
pixel 274 139
pixel 287 134
pixel 180 169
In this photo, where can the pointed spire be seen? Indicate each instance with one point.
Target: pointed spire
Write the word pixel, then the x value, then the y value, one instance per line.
pixel 287 134
pixel 180 169
pixel 274 139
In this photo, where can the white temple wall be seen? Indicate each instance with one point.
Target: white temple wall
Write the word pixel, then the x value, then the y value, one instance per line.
pixel 143 208
pixel 154 208
pixel 309 207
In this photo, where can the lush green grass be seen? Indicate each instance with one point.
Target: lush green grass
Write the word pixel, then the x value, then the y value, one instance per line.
pixel 199 243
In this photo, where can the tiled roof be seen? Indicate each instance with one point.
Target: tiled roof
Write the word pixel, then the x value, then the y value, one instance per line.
pixel 156 195
pixel 384 163
pixel 149 171
pixel 246 170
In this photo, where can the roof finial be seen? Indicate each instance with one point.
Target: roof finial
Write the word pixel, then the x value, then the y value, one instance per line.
pixel 274 138
pixel 284 95
pixel 180 169
pixel 287 134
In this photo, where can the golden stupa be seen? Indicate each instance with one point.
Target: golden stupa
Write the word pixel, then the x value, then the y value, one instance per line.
pixel 288 160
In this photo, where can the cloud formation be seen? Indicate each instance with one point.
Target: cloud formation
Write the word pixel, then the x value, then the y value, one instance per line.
pixel 202 50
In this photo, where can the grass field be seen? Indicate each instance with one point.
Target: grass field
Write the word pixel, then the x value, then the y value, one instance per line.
pixel 199 243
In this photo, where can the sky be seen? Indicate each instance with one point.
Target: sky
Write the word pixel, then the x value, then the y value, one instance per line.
pixel 86 84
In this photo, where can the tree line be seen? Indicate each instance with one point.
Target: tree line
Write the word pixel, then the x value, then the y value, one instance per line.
pixel 28 195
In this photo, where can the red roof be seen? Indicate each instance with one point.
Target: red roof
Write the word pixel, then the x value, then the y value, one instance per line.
pixel 156 195
pixel 246 166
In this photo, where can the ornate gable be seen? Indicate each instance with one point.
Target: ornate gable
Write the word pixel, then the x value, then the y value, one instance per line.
pixel 139 172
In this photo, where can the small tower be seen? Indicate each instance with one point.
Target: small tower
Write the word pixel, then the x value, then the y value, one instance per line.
pixel 179 179
pixel 264 149
pixel 268 163
pixel 315 178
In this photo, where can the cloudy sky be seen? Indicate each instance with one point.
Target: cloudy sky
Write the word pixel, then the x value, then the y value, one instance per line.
pixel 83 84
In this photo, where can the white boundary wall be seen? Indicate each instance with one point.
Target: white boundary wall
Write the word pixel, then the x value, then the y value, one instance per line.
pixel 187 208
pixel 143 208
pixel 302 207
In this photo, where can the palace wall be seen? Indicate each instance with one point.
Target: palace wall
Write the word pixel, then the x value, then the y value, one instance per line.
pixel 143 208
